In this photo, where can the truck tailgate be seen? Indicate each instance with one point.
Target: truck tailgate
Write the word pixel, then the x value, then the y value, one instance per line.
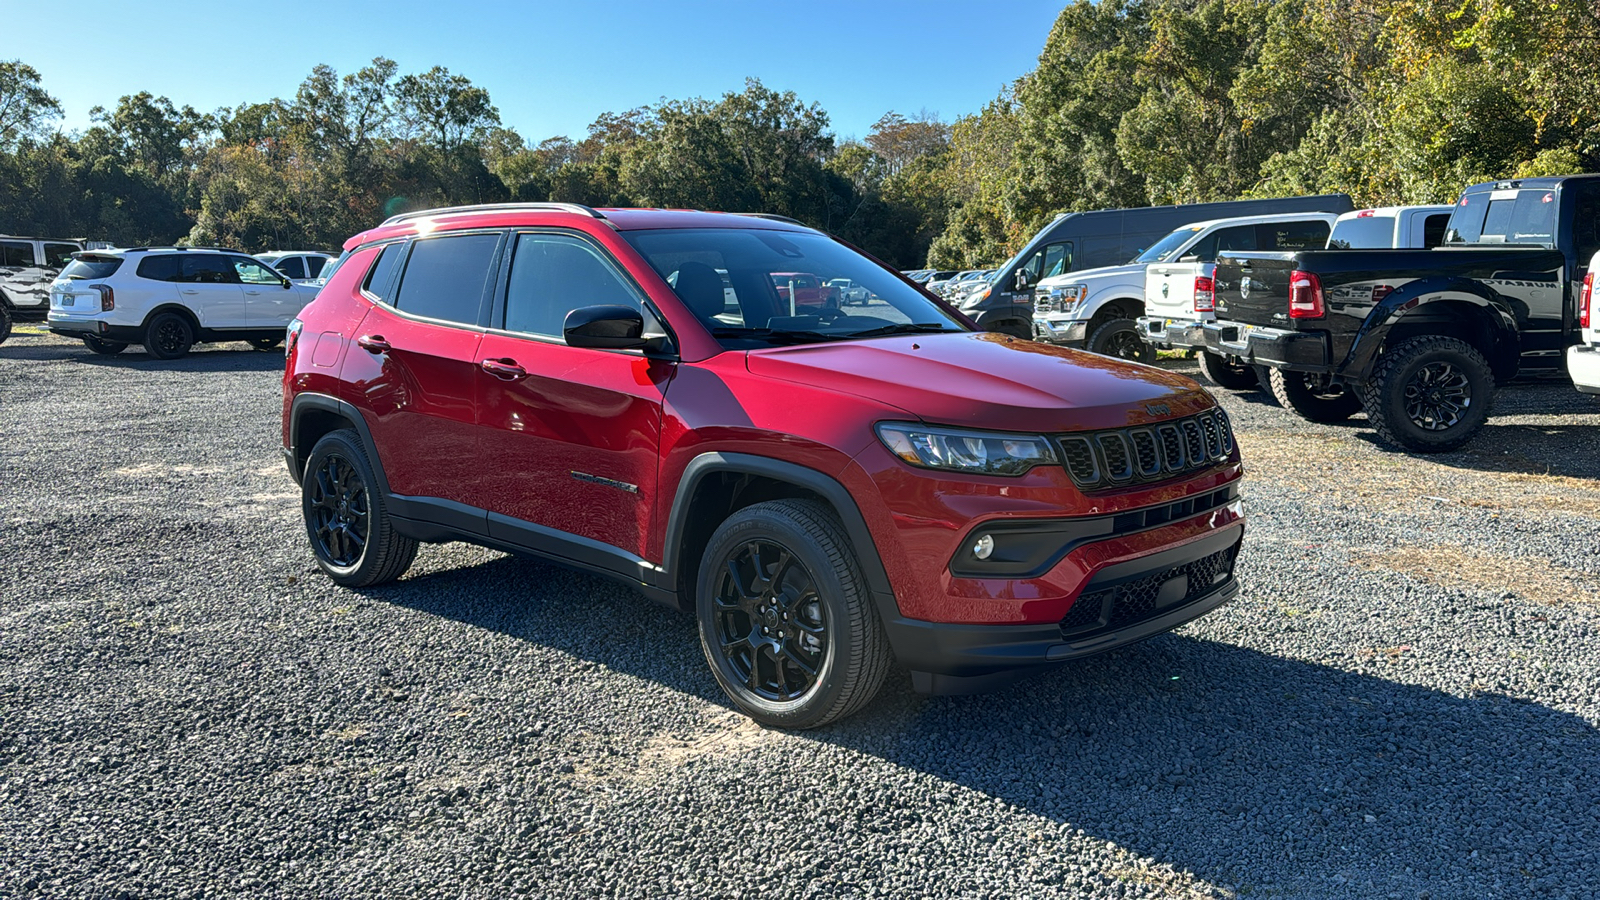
pixel 1254 288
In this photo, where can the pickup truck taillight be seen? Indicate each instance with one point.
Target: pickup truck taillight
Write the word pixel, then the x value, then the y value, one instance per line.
pixel 1205 294
pixel 1586 300
pixel 1305 296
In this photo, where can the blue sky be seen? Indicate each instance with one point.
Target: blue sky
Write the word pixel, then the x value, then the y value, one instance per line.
pixel 552 67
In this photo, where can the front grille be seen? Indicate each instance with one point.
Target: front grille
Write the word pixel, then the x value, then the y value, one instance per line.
pixel 1119 456
pixel 1132 602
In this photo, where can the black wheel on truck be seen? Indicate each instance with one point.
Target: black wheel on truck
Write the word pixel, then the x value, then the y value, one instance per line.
pixel 1315 398
pixel 5 322
pixel 1120 338
pixel 102 346
pixel 1264 380
pixel 1227 373
pixel 1429 394
pixel 786 618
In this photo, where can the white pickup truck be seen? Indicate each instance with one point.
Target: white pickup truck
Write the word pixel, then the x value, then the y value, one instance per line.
pixel 1180 295
pixel 1583 358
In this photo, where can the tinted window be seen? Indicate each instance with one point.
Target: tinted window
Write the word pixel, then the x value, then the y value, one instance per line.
pixel 1288 236
pixel 253 272
pixel 553 274
pixel 314 266
pixel 207 268
pixel 57 255
pixel 1505 217
pixel 1433 228
pixel 1362 233
pixel 382 274
pixel 291 266
pixel 91 267
pixel 159 268
pixel 16 254
pixel 444 277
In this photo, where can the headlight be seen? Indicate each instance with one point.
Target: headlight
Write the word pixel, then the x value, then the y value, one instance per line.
pixel 1066 297
pixel 959 450
pixel 974 298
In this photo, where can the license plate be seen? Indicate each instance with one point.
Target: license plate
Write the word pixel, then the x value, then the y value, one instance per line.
pixel 67 300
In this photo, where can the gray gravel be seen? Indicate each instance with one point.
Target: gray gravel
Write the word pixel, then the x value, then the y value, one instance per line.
pixel 187 708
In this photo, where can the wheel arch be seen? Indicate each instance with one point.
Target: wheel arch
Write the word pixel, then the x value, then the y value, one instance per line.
pixel 1458 308
pixel 1120 306
pixel 715 485
pixel 180 309
pixel 313 416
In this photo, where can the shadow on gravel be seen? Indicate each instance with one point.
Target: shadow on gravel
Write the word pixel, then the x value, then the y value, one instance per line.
pixel 1242 767
pixel 206 358
pixel 1561 449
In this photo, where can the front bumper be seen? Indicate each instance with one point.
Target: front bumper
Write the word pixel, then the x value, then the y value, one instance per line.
pixel 1060 331
pixel 1121 604
pixel 1583 364
pixel 1169 334
pixel 1301 351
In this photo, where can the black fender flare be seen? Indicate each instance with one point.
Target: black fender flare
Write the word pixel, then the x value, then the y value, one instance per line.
pixel 180 309
pixel 310 400
pixel 826 486
pixel 1419 294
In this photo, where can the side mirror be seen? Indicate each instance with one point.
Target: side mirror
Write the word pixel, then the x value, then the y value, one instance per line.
pixel 287 284
pixel 1021 280
pixel 605 328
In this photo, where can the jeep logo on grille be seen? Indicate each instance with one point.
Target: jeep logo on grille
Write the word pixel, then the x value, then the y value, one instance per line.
pixel 1158 409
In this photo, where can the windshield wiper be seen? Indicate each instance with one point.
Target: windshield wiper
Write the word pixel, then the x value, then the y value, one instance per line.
pixel 776 337
pixel 902 328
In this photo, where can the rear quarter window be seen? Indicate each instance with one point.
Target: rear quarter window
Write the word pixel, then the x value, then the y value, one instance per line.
pixel 92 267
pixel 158 268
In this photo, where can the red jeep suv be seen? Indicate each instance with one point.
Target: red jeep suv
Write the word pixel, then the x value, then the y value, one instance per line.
pixel 626 391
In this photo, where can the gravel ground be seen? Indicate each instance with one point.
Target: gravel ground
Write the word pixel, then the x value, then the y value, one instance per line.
pixel 1403 702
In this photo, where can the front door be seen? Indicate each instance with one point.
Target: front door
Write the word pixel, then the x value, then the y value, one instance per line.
pixel 268 301
pixel 209 285
pixel 569 436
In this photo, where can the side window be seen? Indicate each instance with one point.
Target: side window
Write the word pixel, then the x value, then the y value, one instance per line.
pixel 58 255
pixel 1585 220
pixel 382 274
pixel 444 277
pixel 207 268
pixel 553 274
pixel 1291 236
pixel 1057 259
pixel 16 254
pixel 291 266
pixel 252 272
pixel 314 266
pixel 1240 237
pixel 1433 228
pixel 162 267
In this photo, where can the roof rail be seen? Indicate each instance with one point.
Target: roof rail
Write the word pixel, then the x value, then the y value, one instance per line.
pixel 495 207
pixel 176 247
pixel 776 218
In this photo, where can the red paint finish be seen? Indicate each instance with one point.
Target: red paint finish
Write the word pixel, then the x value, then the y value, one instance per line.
pixel 594 443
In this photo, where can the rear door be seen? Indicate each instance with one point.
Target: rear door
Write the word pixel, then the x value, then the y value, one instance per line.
pixel 209 285
pixel 413 371
pixel 569 435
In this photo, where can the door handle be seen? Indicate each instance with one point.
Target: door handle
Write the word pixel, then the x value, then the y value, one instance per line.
pixel 503 369
pixel 190 291
pixel 373 343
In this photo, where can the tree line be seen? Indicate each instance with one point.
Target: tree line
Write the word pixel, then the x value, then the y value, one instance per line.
pixel 1133 102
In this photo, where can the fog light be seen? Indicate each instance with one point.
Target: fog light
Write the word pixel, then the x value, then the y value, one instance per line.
pixel 983 547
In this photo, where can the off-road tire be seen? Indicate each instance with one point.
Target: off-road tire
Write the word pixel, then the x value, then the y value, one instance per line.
pixel 5 323
pixel 385 553
pixel 168 336
pixel 1224 374
pixel 1119 338
pixel 1384 395
pixel 264 343
pixel 856 656
pixel 1264 381
pixel 1313 398
pixel 103 347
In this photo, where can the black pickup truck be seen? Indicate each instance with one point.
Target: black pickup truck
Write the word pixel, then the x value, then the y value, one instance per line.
pixel 1419 338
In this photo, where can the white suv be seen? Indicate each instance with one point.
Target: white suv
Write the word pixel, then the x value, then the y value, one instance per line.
pixel 300 265
pixel 170 298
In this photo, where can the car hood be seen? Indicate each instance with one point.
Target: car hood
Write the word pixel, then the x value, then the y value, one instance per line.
pixel 1093 277
pixel 988 381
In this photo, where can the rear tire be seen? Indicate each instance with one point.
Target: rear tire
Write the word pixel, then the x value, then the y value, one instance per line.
pixel 168 336
pixel 1224 374
pixel 346 517
pixel 1429 394
pixel 1120 338
pixel 1314 398
pixel 102 346
pixel 5 323
pixel 787 622
pixel 265 343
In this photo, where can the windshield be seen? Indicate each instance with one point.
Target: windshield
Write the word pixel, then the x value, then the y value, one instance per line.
pixel 1164 248
pixel 776 288
pixel 91 267
pixel 1504 217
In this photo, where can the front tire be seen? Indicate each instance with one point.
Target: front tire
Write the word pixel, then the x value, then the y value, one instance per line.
pixel 786 618
pixel 265 343
pixel 1234 376
pixel 1315 398
pixel 102 346
pixel 346 518
pixel 168 336
pixel 5 323
pixel 1429 394
pixel 1120 338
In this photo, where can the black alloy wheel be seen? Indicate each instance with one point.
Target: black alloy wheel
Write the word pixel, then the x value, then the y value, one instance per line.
pixel 1120 338
pixel 168 336
pixel 340 511
pixel 1437 396
pixel 771 627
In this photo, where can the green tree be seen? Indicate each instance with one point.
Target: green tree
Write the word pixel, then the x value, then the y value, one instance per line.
pixel 26 110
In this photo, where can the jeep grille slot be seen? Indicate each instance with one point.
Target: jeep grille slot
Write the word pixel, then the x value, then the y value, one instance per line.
pixel 1118 456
